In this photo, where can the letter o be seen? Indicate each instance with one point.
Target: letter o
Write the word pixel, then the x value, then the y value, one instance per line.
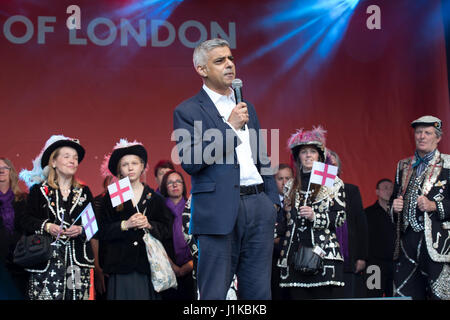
pixel 112 31
pixel 192 24
pixel 18 40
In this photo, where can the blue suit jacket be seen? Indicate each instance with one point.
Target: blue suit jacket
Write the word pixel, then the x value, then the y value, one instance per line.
pixel 213 165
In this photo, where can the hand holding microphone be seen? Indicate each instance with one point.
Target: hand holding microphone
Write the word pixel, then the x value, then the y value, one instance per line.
pixel 239 115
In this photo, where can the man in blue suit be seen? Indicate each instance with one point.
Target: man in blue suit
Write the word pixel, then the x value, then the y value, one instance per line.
pixel 233 189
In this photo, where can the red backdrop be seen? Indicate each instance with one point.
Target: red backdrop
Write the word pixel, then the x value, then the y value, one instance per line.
pixel 364 89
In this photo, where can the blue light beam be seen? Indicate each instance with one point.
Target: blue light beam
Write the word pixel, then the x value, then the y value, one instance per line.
pixel 310 27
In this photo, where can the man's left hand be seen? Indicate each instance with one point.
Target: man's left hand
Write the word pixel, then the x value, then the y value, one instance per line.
pixel 426 205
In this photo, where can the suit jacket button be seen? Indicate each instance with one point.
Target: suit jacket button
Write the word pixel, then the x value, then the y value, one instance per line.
pixel 135 243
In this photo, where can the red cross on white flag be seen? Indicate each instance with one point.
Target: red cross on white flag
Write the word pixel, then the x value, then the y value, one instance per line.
pixel 89 223
pixel 120 191
pixel 323 174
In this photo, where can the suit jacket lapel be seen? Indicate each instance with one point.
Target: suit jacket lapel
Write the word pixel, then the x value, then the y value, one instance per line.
pixel 208 107
pixel 251 122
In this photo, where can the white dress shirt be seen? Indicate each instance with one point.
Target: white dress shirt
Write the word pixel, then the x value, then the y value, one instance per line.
pixel 248 172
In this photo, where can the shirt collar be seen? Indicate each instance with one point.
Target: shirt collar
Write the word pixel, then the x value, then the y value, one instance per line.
pixel 215 97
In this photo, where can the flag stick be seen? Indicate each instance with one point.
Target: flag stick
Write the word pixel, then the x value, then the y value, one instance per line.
pixel 307 192
pixel 80 214
pixel 76 219
pixel 137 208
pixel 60 229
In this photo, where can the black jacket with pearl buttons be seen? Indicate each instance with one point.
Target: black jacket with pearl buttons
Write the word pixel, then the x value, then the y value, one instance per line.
pixel 125 250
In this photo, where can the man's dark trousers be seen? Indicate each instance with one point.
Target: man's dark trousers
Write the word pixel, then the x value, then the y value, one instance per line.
pixel 246 251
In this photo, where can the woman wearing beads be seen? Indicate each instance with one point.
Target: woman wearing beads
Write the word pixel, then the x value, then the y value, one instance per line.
pixel 122 228
pixel 55 201
pixel 312 223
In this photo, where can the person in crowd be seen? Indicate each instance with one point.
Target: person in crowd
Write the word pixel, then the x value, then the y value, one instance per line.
pixel 122 227
pixel 421 208
pixel 283 175
pixel 233 191
pixel 173 188
pixel 55 202
pixel 313 214
pixel 160 170
pixel 352 236
pixel 381 238
pixel 12 200
pixel 99 248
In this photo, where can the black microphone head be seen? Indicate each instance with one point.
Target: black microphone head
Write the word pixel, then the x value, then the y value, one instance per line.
pixel 236 83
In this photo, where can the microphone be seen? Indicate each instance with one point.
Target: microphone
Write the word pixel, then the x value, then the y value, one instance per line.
pixel 236 84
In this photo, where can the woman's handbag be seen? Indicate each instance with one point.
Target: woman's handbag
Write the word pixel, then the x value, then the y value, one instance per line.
pixel 32 250
pixel 162 274
pixel 308 260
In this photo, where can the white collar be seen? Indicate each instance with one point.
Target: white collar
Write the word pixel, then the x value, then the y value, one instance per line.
pixel 214 96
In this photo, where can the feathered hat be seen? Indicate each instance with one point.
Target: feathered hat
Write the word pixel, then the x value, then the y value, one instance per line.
pixel 122 148
pixel 314 137
pixel 40 164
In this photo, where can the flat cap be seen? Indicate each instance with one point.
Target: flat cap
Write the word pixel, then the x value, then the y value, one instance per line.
pixel 428 121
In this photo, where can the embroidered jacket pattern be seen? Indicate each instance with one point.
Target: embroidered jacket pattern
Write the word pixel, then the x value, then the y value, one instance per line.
pixel 329 213
pixel 433 183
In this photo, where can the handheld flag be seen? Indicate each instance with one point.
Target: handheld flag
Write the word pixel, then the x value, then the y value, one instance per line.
pixel 120 191
pixel 323 174
pixel 89 222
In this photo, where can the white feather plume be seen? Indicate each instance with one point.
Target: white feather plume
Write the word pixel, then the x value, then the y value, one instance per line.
pixel 37 174
pixel 123 143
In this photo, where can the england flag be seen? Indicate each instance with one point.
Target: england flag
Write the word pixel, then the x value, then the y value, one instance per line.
pixel 120 191
pixel 89 222
pixel 323 174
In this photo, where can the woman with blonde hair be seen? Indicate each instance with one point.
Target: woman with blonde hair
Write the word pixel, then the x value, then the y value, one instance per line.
pixel 12 201
pixel 123 227
pixel 55 202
